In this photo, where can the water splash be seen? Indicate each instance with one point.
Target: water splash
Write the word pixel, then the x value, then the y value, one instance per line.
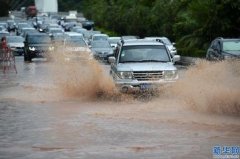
pixel 210 87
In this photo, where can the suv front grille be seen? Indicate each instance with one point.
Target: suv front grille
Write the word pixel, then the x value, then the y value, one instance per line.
pixel 147 75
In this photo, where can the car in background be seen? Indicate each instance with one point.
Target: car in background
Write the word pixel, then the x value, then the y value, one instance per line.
pixel 142 64
pixel 76 28
pixel 96 37
pixel 37 45
pixel 24 31
pixel 58 40
pixel 11 25
pixel 128 37
pixel 81 31
pixel 4 34
pixel 113 41
pixel 167 42
pixel 68 26
pixel 20 26
pixel 89 33
pixel 88 24
pixel 101 50
pixel 99 37
pixel 223 49
pixel 3 24
pixel 75 47
pixel 15 43
pixel 52 31
pixel 2 28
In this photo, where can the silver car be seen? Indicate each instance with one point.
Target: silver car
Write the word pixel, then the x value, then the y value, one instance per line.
pixel 75 47
pixel 101 50
pixel 16 44
pixel 142 64
pixel 167 42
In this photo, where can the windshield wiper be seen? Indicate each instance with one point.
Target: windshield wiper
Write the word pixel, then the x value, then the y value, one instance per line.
pixel 230 54
pixel 128 61
pixel 152 61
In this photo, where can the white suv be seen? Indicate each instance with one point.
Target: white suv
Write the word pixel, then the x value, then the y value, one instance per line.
pixel 142 64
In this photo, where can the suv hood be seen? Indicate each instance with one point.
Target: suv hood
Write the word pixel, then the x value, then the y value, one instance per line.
pixel 146 66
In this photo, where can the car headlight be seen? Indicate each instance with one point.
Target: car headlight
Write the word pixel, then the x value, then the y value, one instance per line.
pixel 32 48
pixel 51 48
pixel 170 74
pixel 125 75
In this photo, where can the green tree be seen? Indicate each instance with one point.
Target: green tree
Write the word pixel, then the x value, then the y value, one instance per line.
pixel 5 7
pixel 192 23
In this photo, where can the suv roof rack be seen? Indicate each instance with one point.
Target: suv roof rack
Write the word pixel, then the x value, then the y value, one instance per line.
pixel 159 40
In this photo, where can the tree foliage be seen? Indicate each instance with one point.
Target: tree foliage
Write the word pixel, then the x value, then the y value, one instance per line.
pixel 191 23
pixel 5 6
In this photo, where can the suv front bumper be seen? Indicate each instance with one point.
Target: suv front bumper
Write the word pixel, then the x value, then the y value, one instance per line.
pixel 134 85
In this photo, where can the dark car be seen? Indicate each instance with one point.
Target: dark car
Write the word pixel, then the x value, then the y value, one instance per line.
pixel 88 24
pixel 11 25
pixel 101 49
pixel 221 49
pixel 37 45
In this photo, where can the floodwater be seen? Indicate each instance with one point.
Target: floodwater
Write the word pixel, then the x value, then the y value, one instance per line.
pixel 71 110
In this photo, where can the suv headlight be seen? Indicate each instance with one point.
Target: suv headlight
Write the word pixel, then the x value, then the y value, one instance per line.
pixel 51 48
pixel 32 48
pixel 170 74
pixel 125 75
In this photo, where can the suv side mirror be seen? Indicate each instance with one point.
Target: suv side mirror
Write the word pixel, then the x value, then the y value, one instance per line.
pixel 176 58
pixel 111 59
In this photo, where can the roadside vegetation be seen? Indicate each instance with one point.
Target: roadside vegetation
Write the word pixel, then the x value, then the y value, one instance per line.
pixel 192 24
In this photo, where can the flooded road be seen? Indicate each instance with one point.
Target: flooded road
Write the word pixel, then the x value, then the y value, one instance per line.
pixel 55 111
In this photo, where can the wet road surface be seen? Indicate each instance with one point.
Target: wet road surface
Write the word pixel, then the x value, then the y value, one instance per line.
pixel 38 122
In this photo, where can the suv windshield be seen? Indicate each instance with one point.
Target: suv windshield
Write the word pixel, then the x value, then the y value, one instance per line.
pixel 144 53
pixel 39 39
pixel 231 46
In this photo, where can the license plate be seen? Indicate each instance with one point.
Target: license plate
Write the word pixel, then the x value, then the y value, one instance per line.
pixel 145 86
